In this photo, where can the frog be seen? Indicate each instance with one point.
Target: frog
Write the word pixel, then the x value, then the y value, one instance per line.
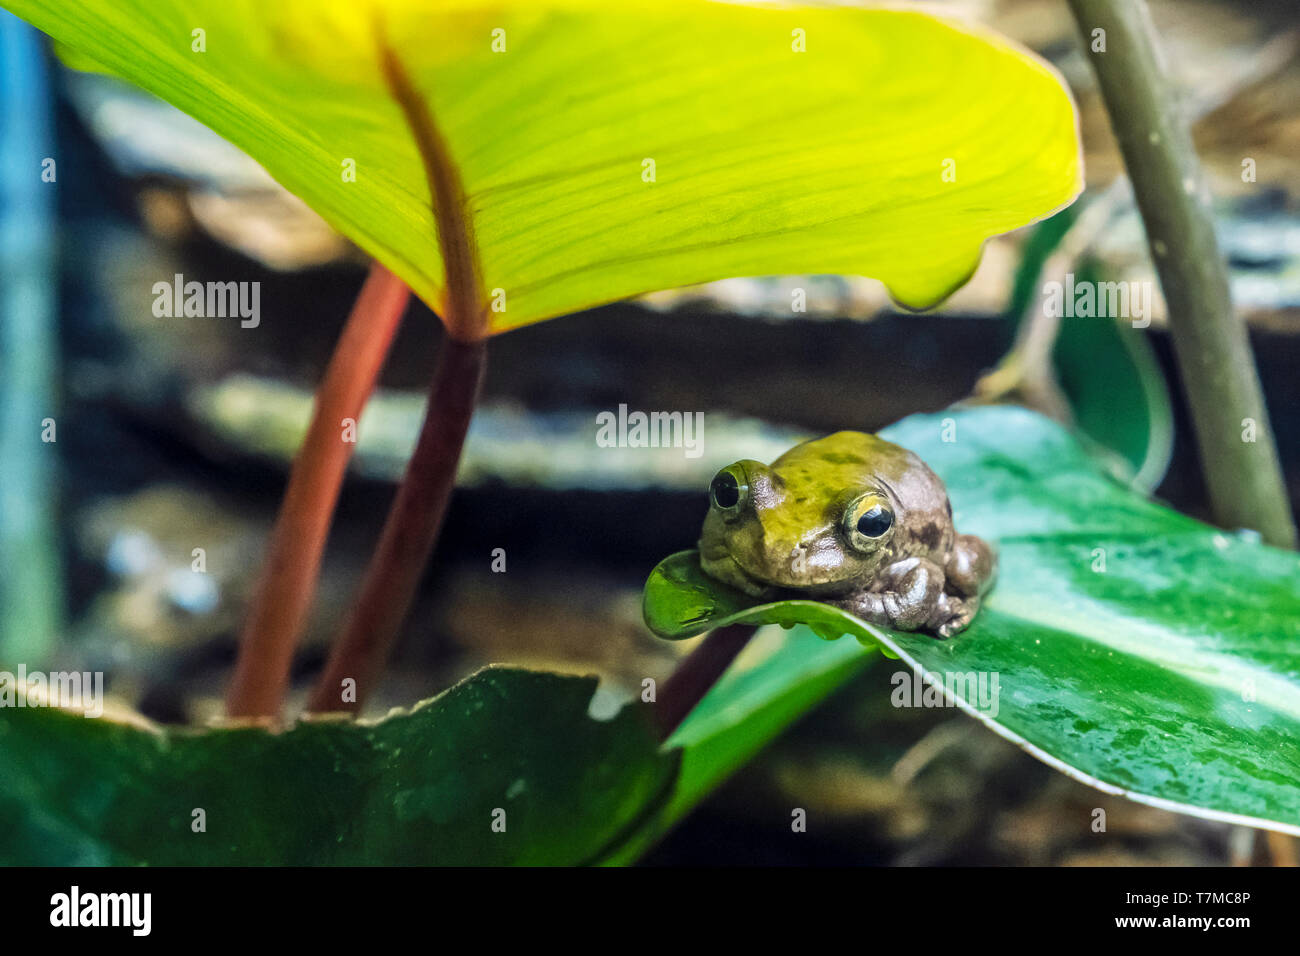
pixel 851 520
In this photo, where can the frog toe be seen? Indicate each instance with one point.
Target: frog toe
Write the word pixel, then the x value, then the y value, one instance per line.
pixel 954 615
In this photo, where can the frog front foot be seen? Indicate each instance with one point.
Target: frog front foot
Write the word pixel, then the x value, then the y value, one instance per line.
pixel 914 599
pixel 952 614
pixel 909 601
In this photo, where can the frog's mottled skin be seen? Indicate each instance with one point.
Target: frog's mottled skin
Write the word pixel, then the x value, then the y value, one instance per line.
pixel 788 534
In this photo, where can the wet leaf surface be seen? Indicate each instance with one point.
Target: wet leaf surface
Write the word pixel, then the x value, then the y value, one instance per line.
pixel 1133 647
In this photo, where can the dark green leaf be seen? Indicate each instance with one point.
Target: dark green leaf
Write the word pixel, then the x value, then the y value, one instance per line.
pixel 1117 391
pixel 419 787
pixel 1106 369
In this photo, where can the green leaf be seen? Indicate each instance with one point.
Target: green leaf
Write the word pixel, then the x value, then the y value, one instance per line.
pixel 776 679
pixel 1106 368
pixel 766 160
pixel 418 787
pixel 1117 391
pixel 1172 676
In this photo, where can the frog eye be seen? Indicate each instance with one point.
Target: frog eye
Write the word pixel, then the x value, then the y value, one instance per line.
pixel 868 520
pixel 729 489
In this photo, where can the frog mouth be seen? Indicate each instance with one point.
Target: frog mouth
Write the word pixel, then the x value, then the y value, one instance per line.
pixel 721 566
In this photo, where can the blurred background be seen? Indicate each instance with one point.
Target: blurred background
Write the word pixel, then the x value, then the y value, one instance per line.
pixel 177 434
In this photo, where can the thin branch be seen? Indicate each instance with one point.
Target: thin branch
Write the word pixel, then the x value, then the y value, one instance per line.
pixel 409 534
pixel 463 312
pixel 699 671
pixel 1211 345
pixel 415 518
pixel 293 557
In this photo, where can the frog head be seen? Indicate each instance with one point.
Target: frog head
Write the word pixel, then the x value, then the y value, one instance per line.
pixel 813 523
